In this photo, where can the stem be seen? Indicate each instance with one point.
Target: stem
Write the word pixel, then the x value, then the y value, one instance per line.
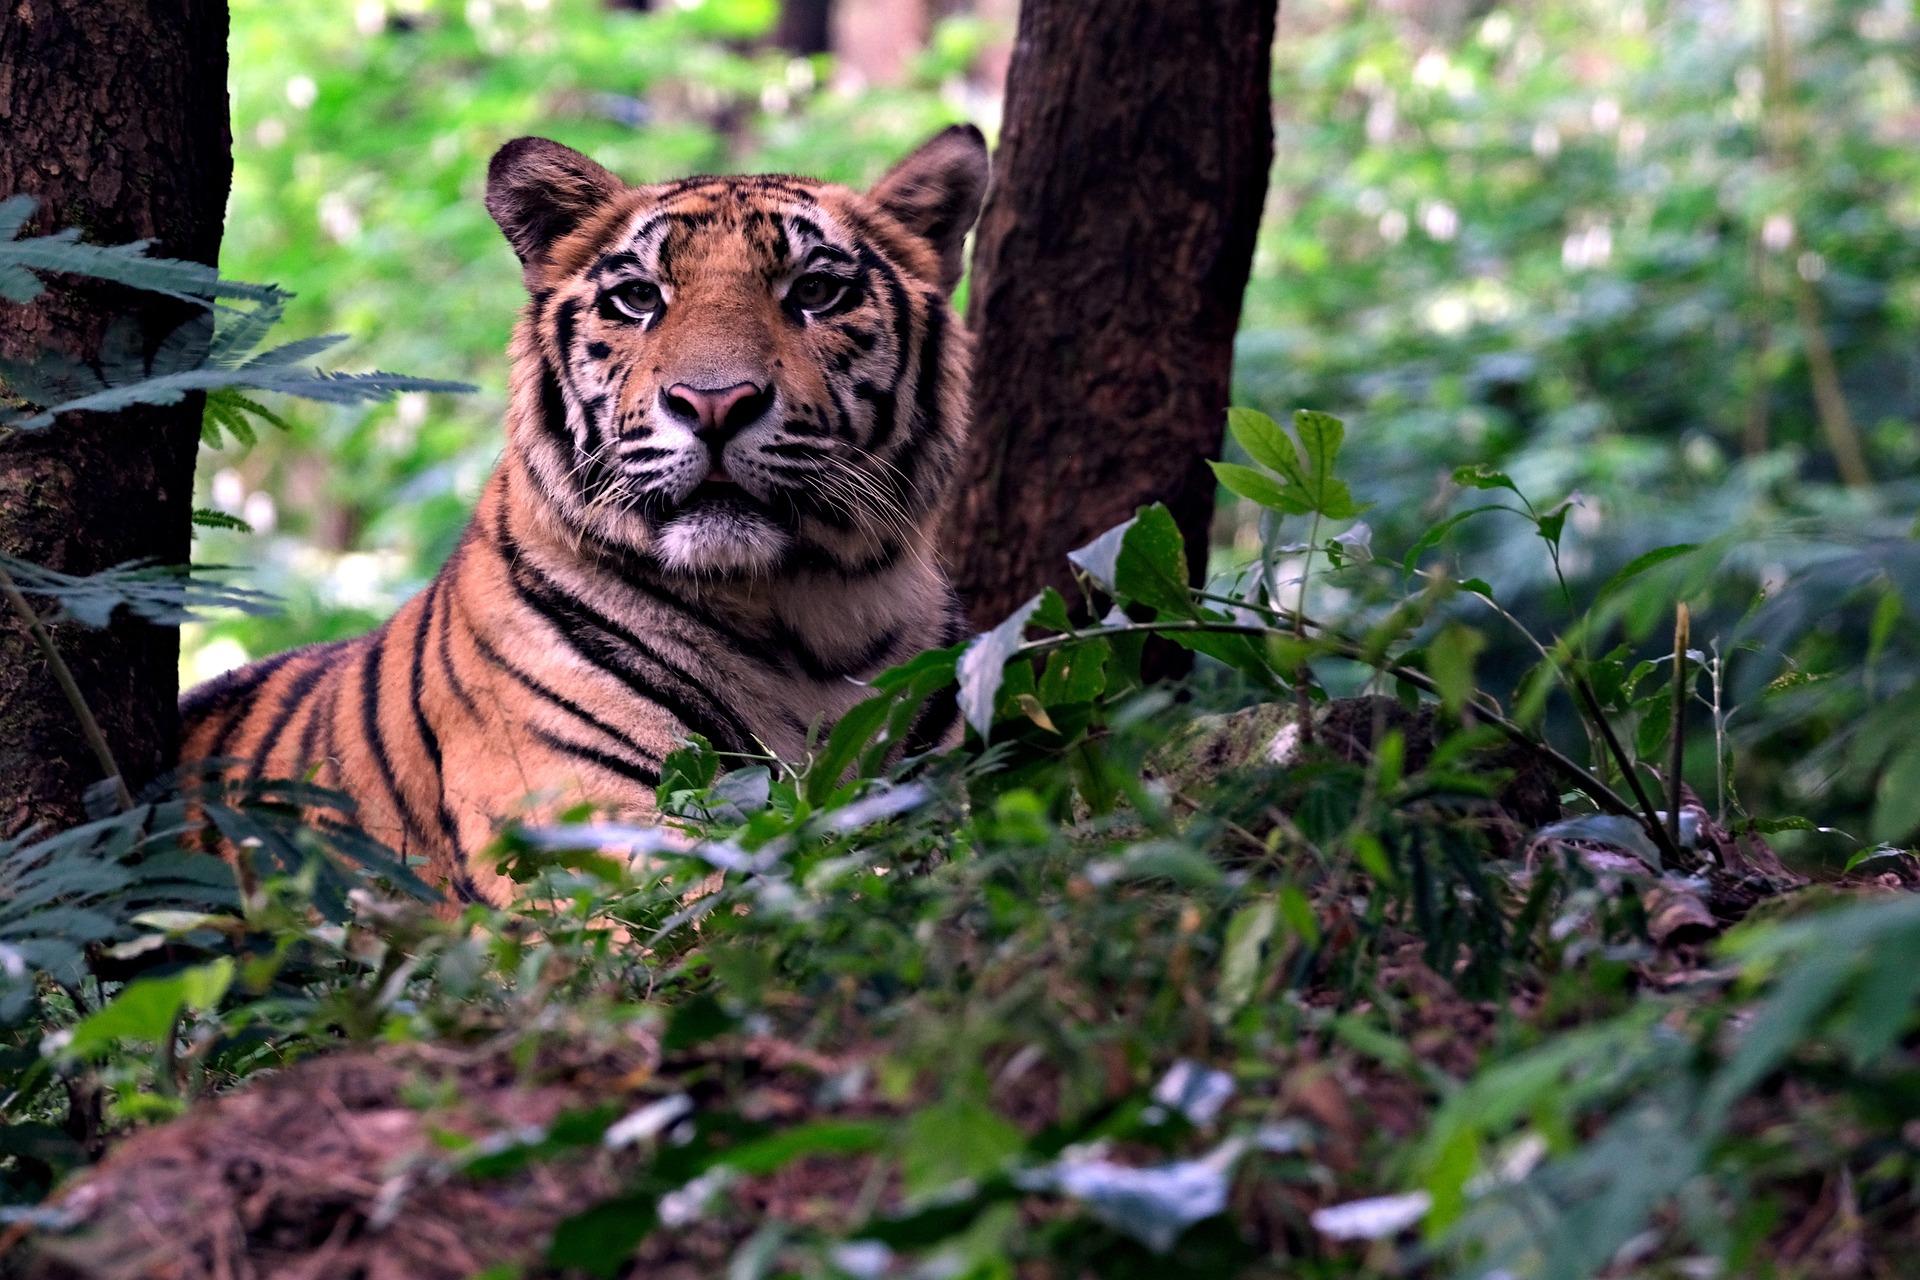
pixel 1602 795
pixel 1677 747
pixel 63 676
pixel 1669 851
pixel 1716 671
pixel 1301 675
pixel 1562 667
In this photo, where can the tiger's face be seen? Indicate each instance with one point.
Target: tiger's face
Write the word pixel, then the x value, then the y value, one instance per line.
pixel 727 374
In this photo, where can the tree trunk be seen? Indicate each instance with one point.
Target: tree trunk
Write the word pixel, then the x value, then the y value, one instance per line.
pixel 875 41
pixel 805 26
pixel 114 114
pixel 1107 277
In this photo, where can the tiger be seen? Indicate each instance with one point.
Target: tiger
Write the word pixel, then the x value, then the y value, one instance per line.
pixel 736 408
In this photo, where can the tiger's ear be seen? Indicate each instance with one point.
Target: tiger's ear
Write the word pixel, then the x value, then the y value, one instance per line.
pixel 936 193
pixel 538 191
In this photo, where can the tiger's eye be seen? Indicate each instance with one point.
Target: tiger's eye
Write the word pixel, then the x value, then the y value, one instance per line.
pixel 816 291
pixel 636 299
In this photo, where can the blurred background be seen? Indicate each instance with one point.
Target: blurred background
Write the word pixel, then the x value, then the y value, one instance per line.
pixel 1659 255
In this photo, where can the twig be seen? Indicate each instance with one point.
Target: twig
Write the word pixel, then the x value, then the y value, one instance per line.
pixel 1669 850
pixel 63 676
pixel 1301 674
pixel 1602 794
pixel 1677 748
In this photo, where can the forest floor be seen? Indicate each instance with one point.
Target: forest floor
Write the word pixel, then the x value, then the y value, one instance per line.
pixel 1087 1069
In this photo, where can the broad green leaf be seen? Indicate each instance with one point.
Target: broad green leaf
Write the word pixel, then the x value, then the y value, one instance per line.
pixel 1258 486
pixel 1554 523
pixel 1896 803
pixel 1151 568
pixel 1241 954
pixel 1265 441
pixel 850 735
pixel 1887 612
pixel 776 1150
pixel 1297 911
pixel 1640 564
pixel 1075 674
pixel 145 1010
pixel 1321 436
pixel 1481 476
pixel 1450 659
pixel 600 1240
pixel 955 1140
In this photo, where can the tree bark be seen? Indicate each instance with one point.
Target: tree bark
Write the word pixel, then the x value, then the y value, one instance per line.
pixel 805 26
pixel 1108 271
pixel 114 114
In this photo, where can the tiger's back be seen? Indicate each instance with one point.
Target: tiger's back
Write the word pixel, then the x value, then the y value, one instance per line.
pixel 735 411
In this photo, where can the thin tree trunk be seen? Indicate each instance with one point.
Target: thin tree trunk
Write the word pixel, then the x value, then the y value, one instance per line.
pixel 805 26
pixel 114 114
pixel 1107 279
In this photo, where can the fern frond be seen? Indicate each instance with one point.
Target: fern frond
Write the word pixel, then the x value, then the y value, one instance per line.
pixel 163 594
pixel 22 262
pixel 79 388
pixel 209 518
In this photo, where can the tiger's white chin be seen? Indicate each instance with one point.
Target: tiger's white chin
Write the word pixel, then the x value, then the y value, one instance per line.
pixel 724 541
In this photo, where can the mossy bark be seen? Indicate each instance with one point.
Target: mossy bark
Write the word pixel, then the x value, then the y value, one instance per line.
pixel 113 113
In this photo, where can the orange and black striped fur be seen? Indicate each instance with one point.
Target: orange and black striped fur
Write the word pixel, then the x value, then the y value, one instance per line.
pixel 736 407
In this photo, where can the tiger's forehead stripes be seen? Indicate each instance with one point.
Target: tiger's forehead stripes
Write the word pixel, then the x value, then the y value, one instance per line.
pixel 717 215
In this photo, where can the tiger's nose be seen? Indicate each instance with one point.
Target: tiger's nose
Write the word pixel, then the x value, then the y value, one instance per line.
pixel 720 412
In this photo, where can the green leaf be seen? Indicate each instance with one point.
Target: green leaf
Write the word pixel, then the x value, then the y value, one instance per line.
pixel 1450 659
pixel 145 1010
pixel 1321 436
pixel 127 264
pixel 1077 673
pixel 1297 911
pixel 1553 524
pixel 833 1137
pixel 1604 828
pixel 1896 803
pixel 695 1022
pixel 1241 954
pixel 955 1140
pixel 1640 564
pixel 1307 469
pixel 600 1239
pixel 1258 486
pixel 850 735
pixel 1265 441
pixel 209 518
pixel 1151 568
pixel 1887 612
pixel 1437 533
pixel 1480 476
pixel 166 594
